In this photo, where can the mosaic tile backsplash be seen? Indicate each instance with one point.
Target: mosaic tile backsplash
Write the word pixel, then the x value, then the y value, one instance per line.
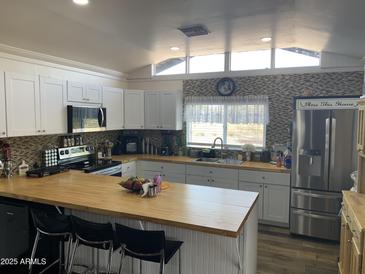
pixel 29 148
pixel 280 89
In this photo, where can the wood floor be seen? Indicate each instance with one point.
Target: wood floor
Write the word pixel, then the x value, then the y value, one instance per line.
pixel 280 253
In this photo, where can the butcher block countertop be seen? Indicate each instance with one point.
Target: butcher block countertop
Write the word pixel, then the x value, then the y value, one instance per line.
pixel 356 204
pixel 258 166
pixel 205 209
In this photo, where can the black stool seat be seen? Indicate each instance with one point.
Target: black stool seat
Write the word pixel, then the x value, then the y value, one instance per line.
pixel 146 245
pixel 51 222
pixel 56 226
pixel 171 247
pixel 93 234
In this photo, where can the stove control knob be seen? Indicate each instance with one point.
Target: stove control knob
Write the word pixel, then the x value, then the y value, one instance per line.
pixel 67 151
pixel 87 148
pixel 62 152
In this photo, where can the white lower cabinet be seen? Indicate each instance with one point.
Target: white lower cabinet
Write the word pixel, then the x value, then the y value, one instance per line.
pixel 276 203
pixel 168 171
pixel 212 176
pixel 198 180
pixel 223 183
pixel 273 188
pixel 129 169
pixel 274 194
pixel 255 187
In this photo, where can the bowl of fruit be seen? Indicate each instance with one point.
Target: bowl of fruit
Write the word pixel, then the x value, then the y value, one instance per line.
pixel 134 184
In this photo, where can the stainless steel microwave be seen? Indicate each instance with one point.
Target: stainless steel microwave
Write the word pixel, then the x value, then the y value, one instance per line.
pixel 85 119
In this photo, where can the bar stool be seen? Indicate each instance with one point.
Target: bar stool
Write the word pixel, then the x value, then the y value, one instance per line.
pixel 95 235
pixel 52 225
pixel 147 246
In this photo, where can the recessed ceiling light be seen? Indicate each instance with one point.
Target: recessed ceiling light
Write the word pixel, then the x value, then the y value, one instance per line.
pixel 81 2
pixel 175 48
pixel 266 39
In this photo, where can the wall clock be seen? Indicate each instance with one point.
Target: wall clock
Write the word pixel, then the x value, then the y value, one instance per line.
pixel 226 86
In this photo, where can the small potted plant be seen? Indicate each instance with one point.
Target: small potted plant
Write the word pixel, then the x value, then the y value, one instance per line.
pixel 248 149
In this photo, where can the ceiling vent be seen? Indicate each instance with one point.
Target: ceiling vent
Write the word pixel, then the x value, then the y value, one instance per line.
pixel 194 30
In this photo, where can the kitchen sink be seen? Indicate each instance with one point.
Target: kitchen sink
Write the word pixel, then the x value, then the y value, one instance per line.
pixel 229 161
pixel 219 161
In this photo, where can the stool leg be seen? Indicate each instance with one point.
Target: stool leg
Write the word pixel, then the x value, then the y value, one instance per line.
pixel 179 260
pixel 122 252
pixel 69 248
pixel 73 256
pixel 110 257
pixel 60 257
pixel 35 245
pixel 97 261
pixel 162 262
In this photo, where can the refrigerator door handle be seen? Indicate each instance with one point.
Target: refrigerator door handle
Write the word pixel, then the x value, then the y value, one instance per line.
pixel 327 151
pixel 333 145
pixel 315 195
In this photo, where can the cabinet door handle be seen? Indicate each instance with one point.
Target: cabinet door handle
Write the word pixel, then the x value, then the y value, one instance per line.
pixel 3 133
pixel 260 186
pixel 44 130
pixel 265 186
pixel 141 126
pixel 208 180
pixel 212 180
pixel 39 130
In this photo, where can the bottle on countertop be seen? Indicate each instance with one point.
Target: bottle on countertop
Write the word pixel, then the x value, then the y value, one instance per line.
pixel 23 168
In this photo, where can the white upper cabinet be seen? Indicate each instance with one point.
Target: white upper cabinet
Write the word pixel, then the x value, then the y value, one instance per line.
pixel 171 110
pixel 163 110
pixel 93 94
pixel 53 110
pixel 113 102
pixel 3 132
pixel 22 104
pixel 134 109
pixel 82 93
pixel 75 92
pixel 152 119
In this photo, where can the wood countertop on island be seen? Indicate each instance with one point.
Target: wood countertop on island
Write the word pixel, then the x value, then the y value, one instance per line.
pixel 258 166
pixel 200 208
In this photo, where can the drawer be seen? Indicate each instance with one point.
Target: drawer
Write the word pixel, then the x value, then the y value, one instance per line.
pixel 216 172
pixel 309 223
pixel 316 200
pixel 174 178
pixel 131 166
pixel 273 178
pixel 161 166
pixel 355 228
pixel 198 180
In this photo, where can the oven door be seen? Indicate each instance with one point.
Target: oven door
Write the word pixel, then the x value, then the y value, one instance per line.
pixel 85 119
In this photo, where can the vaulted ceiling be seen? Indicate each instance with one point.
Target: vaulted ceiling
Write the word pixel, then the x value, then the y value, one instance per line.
pixel 126 34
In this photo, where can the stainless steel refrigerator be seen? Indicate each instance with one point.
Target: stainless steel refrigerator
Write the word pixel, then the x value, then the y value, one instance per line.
pixel 324 144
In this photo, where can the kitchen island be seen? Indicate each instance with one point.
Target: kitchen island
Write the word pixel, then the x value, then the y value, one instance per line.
pixel 218 226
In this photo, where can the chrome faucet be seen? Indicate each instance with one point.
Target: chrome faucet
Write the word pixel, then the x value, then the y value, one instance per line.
pixel 214 144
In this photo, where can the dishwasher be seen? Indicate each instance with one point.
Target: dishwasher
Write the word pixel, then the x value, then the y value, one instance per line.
pixel 14 230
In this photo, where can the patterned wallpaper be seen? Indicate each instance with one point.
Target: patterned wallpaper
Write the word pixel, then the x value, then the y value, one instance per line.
pixel 281 89
pixel 29 148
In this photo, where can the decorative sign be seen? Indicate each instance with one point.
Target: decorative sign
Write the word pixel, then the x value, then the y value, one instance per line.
pixel 226 86
pixel 327 103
